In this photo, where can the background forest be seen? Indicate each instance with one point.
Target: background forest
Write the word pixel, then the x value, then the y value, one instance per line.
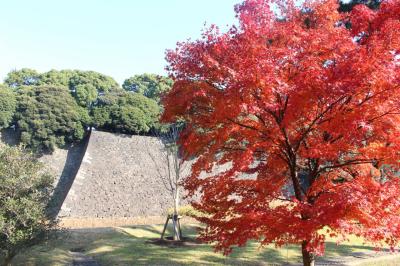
pixel 55 108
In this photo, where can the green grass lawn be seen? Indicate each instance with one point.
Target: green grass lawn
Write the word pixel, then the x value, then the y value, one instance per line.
pixel 130 246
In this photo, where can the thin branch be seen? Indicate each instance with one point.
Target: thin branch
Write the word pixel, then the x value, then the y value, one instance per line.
pixel 316 119
pixel 351 162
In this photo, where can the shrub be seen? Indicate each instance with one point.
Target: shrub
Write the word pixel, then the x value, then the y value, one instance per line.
pixel 24 194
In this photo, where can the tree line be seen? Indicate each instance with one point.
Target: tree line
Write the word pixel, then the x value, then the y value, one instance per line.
pixel 54 108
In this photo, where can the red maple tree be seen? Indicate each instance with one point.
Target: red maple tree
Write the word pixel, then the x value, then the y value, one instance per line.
pixel 304 103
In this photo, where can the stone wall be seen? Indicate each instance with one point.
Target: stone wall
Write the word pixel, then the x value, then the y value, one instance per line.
pixel 106 176
pixel 117 178
pixel 64 164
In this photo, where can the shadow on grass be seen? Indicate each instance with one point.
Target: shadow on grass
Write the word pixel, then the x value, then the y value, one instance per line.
pixel 43 255
pixel 56 250
pixel 253 255
pixel 187 231
pixel 346 249
pixel 131 246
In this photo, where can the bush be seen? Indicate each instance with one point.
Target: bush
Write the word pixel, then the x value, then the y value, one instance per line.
pixel 24 194
pixel 186 210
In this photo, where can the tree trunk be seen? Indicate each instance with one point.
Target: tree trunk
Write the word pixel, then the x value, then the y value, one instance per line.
pixel 176 227
pixel 176 201
pixel 308 257
pixel 175 216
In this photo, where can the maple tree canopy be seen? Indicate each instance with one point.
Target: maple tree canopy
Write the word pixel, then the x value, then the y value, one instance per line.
pixel 304 102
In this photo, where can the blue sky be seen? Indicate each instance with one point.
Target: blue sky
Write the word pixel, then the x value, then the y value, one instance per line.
pixel 119 38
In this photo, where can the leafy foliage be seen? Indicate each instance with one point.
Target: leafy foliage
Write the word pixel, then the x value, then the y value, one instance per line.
pixel 48 116
pixel 23 77
pixel 24 193
pixel 306 110
pixel 126 112
pixel 84 85
pixel 49 122
pixel 7 106
pixel 56 78
pixel 87 85
pixel 149 85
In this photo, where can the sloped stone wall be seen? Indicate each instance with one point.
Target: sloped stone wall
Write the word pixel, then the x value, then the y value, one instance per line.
pixel 117 178
pixel 64 164
pixel 106 176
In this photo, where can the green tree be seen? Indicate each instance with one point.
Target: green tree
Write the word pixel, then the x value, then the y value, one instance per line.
pixel 23 77
pixel 48 116
pixel 86 86
pixel 7 106
pixel 56 78
pixel 126 112
pixel 85 94
pixel 24 194
pixel 44 123
pixel 149 85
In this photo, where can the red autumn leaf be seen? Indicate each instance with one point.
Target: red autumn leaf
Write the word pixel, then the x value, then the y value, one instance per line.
pixel 307 112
